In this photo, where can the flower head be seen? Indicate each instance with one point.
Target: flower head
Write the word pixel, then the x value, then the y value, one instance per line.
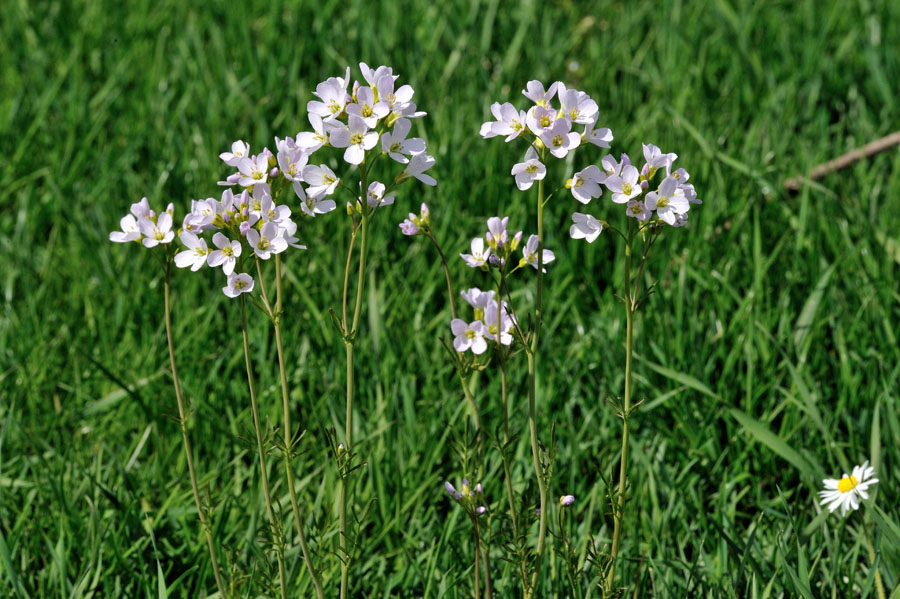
pixel 530 253
pixel 238 283
pixel 529 171
pixel 585 227
pixel 196 253
pixel 468 336
pixel 478 257
pixel 847 491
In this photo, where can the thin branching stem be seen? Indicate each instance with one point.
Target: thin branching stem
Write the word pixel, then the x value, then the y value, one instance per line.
pixel 532 392
pixel 182 420
pixel 288 435
pixel 254 408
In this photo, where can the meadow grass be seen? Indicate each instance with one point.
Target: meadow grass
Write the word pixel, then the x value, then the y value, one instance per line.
pixel 768 356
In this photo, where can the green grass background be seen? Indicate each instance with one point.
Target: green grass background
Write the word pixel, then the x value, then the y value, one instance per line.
pixel 768 356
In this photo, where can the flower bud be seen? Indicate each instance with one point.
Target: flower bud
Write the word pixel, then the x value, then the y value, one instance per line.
pixel 566 500
pixel 645 185
pixel 495 261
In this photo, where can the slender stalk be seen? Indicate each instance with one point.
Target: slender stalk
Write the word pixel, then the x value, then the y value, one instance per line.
pixel 349 342
pixel 254 408
pixel 488 585
pixel 532 391
pixel 288 439
pixel 182 420
pixel 476 413
pixel 477 557
pixel 430 236
pixel 630 301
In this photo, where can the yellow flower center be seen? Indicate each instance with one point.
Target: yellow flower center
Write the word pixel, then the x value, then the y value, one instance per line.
pixel 470 334
pixel 366 111
pixel 662 203
pixel 239 284
pixel 636 209
pixel 516 126
pixel 545 120
pixel 396 147
pixel 578 182
pixel 263 243
pixel 845 485
pixel 334 107
pixel 557 141
pixel 228 251
pixel 356 139
pixel 627 188
pixel 531 169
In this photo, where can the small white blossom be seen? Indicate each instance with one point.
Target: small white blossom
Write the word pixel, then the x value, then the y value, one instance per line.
pixel 668 201
pixel 638 209
pixel 356 137
pixel 577 105
pixel 253 170
pixel 238 284
pixel 468 336
pixel 396 144
pixel 157 232
pixel 417 166
pixel 559 138
pixel 130 230
pixel 310 141
pixel 375 195
pixel 540 119
pixel 321 179
pixel 239 150
pixel 367 109
pixel 511 122
pixel 624 186
pixel 226 255
pixel 585 227
pixel 195 254
pixel 600 137
pixel 534 91
pixel 530 253
pixel 291 163
pixel 478 257
pixel 529 171
pixel 266 241
pixel 585 184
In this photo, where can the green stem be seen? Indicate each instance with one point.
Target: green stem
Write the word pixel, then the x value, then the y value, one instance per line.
pixel 349 341
pixel 288 440
pixel 182 419
pixel 630 300
pixel 254 408
pixel 532 391
pixel 430 236
pixel 477 557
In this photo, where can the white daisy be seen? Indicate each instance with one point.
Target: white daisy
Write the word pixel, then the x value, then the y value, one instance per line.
pixel 847 492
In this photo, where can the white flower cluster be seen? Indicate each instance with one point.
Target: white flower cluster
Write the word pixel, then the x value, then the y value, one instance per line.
pixel 488 325
pixel 497 246
pixel 670 200
pixel 251 220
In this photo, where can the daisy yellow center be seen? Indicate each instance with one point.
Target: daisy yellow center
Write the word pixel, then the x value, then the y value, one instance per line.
pixel 847 484
pixel 356 139
pixel 627 188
